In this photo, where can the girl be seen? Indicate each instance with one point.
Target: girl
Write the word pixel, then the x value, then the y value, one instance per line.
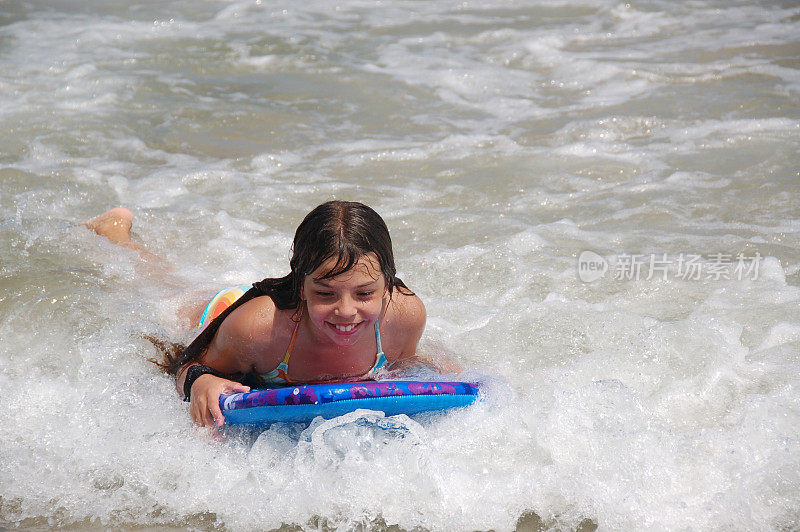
pixel 340 313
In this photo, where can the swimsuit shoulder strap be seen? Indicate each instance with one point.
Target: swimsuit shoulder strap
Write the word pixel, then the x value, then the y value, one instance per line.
pixel 280 375
pixel 291 342
pixel 380 357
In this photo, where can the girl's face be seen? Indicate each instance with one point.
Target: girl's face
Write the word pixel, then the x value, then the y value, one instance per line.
pixel 344 307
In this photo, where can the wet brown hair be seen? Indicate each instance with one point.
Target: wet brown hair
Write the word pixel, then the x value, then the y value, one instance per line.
pixel 340 230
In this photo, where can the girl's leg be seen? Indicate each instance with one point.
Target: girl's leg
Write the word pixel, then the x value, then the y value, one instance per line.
pixel 115 224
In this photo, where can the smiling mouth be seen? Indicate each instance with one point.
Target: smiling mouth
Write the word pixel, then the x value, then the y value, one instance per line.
pixel 346 328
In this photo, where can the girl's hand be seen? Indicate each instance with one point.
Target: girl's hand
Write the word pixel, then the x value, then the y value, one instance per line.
pixel 205 399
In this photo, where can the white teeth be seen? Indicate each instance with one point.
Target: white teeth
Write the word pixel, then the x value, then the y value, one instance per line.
pixel 345 328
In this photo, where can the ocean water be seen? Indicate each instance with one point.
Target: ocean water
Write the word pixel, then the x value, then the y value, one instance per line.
pixel 596 200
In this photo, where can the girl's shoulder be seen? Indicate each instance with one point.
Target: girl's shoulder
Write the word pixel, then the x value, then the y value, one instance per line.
pixel 403 324
pixel 254 330
pixel 405 308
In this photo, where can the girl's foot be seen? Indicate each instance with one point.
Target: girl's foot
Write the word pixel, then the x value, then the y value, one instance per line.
pixel 114 224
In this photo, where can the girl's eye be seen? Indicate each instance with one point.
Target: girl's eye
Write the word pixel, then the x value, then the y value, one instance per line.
pixel 362 295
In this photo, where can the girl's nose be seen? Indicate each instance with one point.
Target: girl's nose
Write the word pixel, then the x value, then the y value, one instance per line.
pixel 345 307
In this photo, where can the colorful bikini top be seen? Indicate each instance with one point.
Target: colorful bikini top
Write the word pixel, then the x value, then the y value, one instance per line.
pixel 280 375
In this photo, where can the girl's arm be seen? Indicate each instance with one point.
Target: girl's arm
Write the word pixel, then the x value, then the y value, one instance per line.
pixel 204 394
pixel 410 322
pixel 441 363
pixel 231 352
